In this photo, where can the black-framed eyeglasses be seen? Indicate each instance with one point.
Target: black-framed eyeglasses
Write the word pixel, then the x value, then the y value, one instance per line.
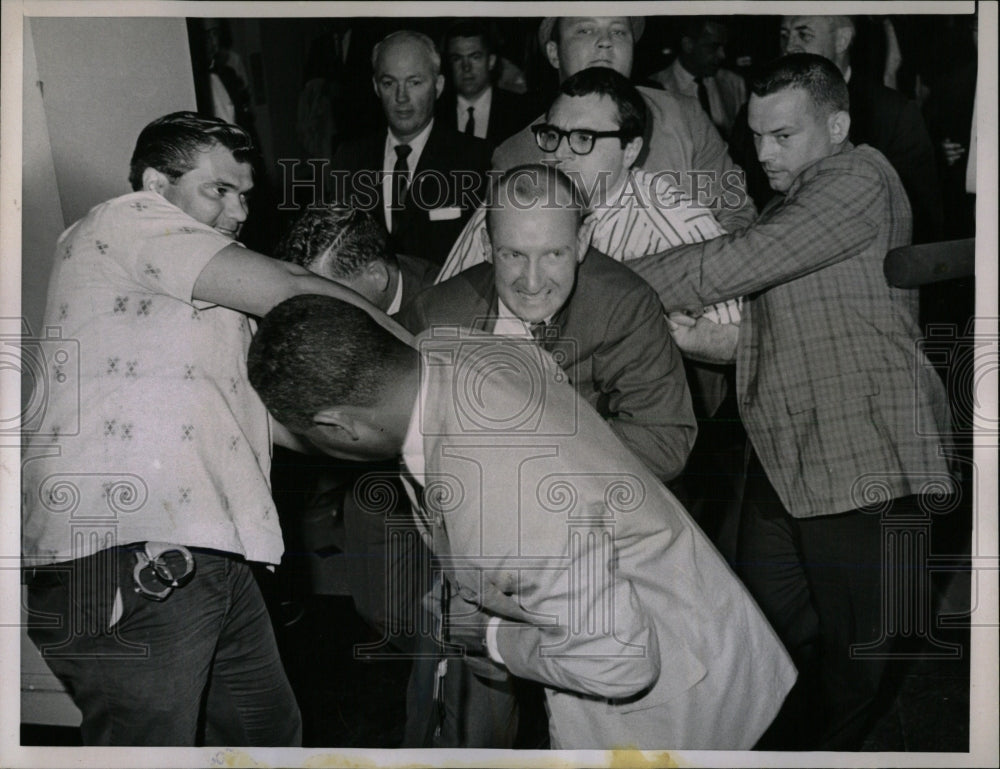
pixel 580 140
pixel 160 567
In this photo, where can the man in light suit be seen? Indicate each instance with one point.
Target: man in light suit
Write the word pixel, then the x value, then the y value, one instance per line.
pixel 836 398
pixel 569 563
pixel 698 72
pixel 472 102
pixel 679 138
pixel 421 176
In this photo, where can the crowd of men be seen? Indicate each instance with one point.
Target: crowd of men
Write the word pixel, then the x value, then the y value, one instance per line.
pixel 517 326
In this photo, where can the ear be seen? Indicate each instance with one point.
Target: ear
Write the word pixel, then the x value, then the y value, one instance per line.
pixel 337 422
pixel 438 85
pixel 632 150
pixel 375 86
pixel 687 44
pixel 154 181
pixel 552 52
pixel 484 239
pixel 491 62
pixel 839 126
pixel 377 274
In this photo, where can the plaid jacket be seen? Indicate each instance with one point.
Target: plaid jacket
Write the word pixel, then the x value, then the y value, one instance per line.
pixel 842 407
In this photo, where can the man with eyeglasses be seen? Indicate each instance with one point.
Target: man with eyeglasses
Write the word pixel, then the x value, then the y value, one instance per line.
pixel 593 132
pixel 679 136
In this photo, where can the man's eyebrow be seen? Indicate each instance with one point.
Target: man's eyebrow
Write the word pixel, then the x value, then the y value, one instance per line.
pixel 805 26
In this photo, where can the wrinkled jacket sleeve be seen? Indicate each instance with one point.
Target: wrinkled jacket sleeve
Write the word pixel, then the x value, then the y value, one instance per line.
pixel 640 371
pixel 788 241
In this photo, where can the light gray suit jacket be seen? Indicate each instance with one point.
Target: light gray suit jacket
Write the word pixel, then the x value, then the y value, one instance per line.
pixel 608 592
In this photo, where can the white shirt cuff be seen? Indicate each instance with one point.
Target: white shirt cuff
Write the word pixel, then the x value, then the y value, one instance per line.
pixel 492 649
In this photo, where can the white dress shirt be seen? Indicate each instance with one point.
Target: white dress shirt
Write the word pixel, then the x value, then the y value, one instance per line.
pixel 417 144
pixel 481 111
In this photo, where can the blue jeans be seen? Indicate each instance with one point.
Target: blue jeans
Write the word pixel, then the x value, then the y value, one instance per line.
pixel 199 668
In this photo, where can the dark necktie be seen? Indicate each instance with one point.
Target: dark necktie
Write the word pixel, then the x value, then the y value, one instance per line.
pixel 538 330
pixel 703 97
pixel 470 124
pixel 400 181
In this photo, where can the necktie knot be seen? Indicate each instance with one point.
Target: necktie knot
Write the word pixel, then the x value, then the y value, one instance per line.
pixel 403 152
pixel 538 330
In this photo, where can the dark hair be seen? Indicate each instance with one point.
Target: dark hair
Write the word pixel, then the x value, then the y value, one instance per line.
pixel 312 352
pixel 471 27
pixel 693 26
pixel 171 143
pixel 816 75
pixel 524 186
pixel 605 81
pixel 353 237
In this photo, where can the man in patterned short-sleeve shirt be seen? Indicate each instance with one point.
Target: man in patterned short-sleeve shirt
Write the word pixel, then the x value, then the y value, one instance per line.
pixel 166 443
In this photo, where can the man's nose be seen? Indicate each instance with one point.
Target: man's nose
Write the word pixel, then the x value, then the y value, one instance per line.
pixel 562 151
pixel 402 93
pixel 765 148
pixel 532 277
pixel 237 208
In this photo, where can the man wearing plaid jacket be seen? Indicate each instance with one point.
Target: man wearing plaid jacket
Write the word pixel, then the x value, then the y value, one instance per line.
pixel 842 416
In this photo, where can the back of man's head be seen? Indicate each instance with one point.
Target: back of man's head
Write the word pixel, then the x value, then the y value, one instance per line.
pixel 814 74
pixel 313 352
pixel 604 81
pixel 530 186
pixel 336 241
pixel 170 144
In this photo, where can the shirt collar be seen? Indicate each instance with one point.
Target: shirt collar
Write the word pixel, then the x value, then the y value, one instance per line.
pixel 481 103
pixel 417 144
pixel 397 299
pixel 413 442
pixel 686 78
pixel 507 316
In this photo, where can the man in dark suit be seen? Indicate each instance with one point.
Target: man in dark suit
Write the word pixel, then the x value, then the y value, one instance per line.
pixel 422 177
pixel 472 103
pixel 349 246
pixel 880 116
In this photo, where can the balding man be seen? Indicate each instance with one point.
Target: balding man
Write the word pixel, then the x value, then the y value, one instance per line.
pixel 680 137
pixel 880 116
pixel 421 177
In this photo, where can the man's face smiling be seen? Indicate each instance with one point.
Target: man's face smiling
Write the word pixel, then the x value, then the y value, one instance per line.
pixel 789 134
pixel 214 191
pixel 594 41
pixel 407 86
pixel 470 65
pixel 600 173
pixel 535 258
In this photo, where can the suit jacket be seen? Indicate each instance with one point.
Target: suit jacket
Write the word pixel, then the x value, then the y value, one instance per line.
pixel 679 139
pixel 612 341
pixel 730 86
pixel 606 590
pixel 417 275
pixel 836 396
pixel 508 114
pixel 890 123
pixel 440 196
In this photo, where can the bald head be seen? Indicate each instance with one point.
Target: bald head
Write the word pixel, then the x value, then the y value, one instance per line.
pixel 827 36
